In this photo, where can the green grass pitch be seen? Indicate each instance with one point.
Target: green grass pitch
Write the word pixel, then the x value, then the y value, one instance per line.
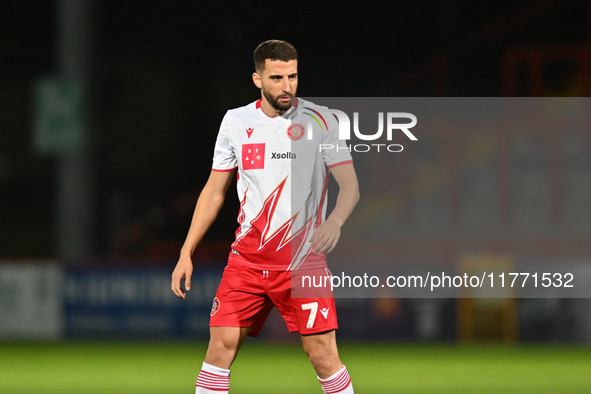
pixel 172 367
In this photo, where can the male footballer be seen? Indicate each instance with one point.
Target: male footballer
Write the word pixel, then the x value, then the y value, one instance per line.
pixel 274 144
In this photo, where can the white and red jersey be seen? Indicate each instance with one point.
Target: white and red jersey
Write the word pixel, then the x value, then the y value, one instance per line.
pixel 282 181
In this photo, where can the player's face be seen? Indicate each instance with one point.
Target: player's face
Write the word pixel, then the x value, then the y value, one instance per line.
pixel 279 82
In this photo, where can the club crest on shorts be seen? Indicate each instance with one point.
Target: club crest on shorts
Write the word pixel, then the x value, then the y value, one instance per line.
pixel 295 131
pixel 215 307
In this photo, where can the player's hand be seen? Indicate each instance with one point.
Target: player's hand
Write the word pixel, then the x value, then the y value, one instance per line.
pixel 326 236
pixel 183 269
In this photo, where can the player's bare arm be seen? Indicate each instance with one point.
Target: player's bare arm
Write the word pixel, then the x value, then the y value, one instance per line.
pixel 327 235
pixel 208 206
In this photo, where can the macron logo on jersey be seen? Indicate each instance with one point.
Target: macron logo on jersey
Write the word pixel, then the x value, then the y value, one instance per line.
pixel 249 131
pixel 253 156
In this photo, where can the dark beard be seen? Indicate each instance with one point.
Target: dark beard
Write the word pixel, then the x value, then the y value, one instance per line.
pixel 275 102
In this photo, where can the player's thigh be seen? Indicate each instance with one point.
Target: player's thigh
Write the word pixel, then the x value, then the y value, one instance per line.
pixel 224 343
pixel 325 341
pixel 227 338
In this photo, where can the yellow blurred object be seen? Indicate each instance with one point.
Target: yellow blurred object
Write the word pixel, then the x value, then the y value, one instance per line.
pixel 487 313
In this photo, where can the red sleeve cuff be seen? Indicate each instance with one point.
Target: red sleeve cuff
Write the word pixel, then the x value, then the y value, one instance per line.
pixel 340 163
pixel 224 170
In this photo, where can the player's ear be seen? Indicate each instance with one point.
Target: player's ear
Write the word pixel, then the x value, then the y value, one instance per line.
pixel 256 78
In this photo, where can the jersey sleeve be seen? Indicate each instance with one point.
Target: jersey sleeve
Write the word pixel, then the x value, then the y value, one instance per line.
pixel 224 156
pixel 339 152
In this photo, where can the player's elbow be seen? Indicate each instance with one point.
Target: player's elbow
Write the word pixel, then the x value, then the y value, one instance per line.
pixel 354 194
pixel 217 199
pixel 212 198
pixel 352 188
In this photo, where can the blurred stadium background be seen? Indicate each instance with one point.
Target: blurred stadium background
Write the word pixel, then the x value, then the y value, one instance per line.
pixel 109 113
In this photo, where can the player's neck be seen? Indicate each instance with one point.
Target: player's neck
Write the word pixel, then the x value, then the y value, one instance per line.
pixel 269 110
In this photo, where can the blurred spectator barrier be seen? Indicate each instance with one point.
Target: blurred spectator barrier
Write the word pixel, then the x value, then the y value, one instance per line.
pixel 136 302
pixel 31 301
pixel 47 301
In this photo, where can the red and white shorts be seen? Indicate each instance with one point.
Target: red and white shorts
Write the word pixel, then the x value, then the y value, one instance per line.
pixel 246 296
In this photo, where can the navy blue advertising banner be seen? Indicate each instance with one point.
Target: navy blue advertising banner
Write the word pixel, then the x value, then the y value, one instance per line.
pixel 136 303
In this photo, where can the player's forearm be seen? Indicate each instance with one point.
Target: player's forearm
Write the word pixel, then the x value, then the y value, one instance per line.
pixel 348 193
pixel 207 209
pixel 346 200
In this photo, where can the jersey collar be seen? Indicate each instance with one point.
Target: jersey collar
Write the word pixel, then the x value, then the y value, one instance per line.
pixel 286 114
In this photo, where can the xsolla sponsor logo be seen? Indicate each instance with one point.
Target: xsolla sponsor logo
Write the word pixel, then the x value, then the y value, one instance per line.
pixel 283 155
pixel 391 126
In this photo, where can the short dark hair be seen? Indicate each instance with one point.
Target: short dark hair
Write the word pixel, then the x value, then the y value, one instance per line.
pixel 274 50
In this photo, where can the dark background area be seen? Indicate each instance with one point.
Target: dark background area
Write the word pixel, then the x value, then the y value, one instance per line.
pixel 163 73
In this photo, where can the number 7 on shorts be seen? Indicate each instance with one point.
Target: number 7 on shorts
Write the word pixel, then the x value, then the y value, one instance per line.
pixel 313 307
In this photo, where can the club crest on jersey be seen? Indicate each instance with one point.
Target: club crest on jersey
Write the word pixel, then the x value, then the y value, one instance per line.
pixel 295 131
pixel 249 131
pixel 215 307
